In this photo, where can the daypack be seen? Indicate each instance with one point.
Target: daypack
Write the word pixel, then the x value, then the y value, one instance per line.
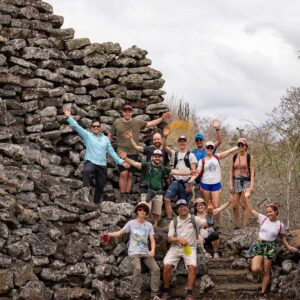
pixel 203 163
pixel 186 159
pixel 248 162
pixel 164 176
pixel 193 222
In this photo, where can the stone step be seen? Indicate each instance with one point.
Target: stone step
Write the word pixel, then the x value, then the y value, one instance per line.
pixel 235 287
pixel 221 263
pixel 228 275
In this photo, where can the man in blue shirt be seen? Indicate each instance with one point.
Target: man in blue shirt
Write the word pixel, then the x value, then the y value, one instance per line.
pixel 200 151
pixel 95 162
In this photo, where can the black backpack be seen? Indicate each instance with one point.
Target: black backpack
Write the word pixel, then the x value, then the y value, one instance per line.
pixel 186 159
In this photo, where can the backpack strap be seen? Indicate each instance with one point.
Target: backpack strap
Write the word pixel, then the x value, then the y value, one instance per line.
pixel 187 159
pixel 216 157
pixel 248 164
pixel 193 220
pixel 265 219
pixel 175 226
pixel 175 159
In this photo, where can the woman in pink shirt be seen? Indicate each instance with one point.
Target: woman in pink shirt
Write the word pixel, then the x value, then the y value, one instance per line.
pixel 241 181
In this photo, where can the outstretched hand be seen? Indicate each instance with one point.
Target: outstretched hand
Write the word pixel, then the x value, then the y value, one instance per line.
pixel 128 134
pixel 166 131
pixel 125 164
pixel 293 249
pixel 67 111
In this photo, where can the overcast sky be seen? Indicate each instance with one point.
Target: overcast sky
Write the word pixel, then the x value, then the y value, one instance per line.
pixel 229 59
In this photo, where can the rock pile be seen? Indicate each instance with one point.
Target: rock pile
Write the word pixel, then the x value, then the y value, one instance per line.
pixel 49 242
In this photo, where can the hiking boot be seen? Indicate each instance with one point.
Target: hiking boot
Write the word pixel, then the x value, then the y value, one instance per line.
pixel 123 197
pixel 207 255
pixel 262 296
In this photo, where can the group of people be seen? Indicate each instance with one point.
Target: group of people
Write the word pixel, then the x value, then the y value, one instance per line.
pixel 170 176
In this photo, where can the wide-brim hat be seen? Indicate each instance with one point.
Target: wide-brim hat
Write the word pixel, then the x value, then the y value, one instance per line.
pixel 199 200
pixel 144 205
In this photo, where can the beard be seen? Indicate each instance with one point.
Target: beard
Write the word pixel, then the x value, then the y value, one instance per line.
pixel 157 144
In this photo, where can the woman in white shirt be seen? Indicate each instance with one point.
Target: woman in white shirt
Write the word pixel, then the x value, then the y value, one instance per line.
pixel 264 248
pixel 210 176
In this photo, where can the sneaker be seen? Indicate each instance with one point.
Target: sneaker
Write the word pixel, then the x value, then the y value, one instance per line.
pixel 156 298
pixel 189 297
pixel 123 197
pixel 216 255
pixel 207 255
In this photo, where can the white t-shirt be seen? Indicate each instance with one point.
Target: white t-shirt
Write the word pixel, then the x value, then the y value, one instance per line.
pixel 269 230
pixel 185 229
pixel 212 171
pixel 181 164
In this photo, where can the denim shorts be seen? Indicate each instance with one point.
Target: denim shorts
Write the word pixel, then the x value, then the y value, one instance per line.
pixel 176 190
pixel 211 187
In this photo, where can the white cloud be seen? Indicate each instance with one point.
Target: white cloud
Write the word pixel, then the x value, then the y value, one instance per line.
pixel 232 59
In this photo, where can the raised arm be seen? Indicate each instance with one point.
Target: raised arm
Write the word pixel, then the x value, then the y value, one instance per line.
pixel 155 122
pixel 216 125
pixel 166 132
pixel 132 162
pixel 73 123
pixel 253 212
pixel 128 135
pixel 227 152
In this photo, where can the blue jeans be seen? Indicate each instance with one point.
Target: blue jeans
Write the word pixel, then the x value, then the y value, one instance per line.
pixel 177 190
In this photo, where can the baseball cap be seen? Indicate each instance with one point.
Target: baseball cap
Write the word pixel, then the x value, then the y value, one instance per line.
pixel 157 152
pixel 142 204
pixel 199 136
pixel 209 143
pixel 126 107
pixel 243 141
pixel 182 137
pixel 181 202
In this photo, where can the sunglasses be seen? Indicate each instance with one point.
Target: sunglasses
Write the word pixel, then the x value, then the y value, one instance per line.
pixel 96 126
pixel 200 204
pixel 210 147
pixel 141 209
pixel 241 145
pixel 199 140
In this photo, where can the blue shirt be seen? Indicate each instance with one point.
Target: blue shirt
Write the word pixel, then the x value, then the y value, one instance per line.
pixel 96 146
pixel 199 153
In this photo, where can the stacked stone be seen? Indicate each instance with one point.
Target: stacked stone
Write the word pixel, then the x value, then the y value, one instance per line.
pixel 49 234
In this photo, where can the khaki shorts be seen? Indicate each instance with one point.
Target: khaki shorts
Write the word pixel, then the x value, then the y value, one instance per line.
pixel 155 204
pixel 176 252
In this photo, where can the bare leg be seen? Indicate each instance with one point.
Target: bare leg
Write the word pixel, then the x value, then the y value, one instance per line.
pixel 167 275
pixel 267 275
pixel 191 276
pixel 206 196
pixel 123 181
pixel 257 263
pixel 236 209
pixel 155 219
pixel 128 182
pixel 245 210
pixel 168 207
pixel 215 245
pixel 216 196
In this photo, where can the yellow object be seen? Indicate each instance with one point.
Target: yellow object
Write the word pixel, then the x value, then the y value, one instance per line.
pixel 187 250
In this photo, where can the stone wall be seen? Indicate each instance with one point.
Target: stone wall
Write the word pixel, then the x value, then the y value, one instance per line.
pixel 49 236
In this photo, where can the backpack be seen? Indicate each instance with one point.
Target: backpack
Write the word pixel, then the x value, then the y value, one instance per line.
pixel 163 178
pixel 203 163
pixel 193 221
pixel 186 159
pixel 248 162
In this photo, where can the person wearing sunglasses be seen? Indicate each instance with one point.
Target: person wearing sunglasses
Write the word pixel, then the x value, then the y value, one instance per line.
pixel 210 176
pixel 140 231
pixel 200 152
pixel 241 182
pixel 95 161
